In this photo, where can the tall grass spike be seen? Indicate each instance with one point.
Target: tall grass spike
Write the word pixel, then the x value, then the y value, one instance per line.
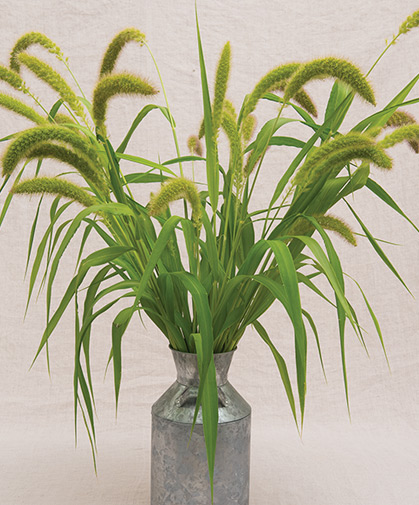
pixel 116 46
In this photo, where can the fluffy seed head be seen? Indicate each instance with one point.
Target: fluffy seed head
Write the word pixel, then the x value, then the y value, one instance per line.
pixel 29 139
pixel 408 132
pixel 54 186
pixel 229 126
pixel 21 108
pixel 268 83
pixel 27 40
pixel 46 73
pixel 11 78
pixel 302 226
pixel 248 127
pixel 220 88
pixel 117 84
pixel 330 67
pixel 401 118
pixel 116 46
pixel 176 189
pixel 84 166
pixel 194 145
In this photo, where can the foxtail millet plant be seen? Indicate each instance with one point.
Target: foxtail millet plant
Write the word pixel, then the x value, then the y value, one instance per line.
pixel 238 261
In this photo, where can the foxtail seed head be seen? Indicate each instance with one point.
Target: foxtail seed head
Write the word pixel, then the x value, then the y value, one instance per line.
pixel 229 126
pixel 54 186
pixel 248 128
pixel 339 226
pixel 11 78
pixel 194 145
pixel 84 166
pixel 46 73
pixel 268 83
pixel 173 190
pixel 116 46
pixel 220 88
pixel 22 145
pixel 408 132
pixel 117 84
pixel 330 67
pixel 27 40
pixel 21 108
pixel 401 118
pixel 411 22
pixel 302 98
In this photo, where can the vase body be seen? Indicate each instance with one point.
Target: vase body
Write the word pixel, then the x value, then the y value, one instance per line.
pixel 179 473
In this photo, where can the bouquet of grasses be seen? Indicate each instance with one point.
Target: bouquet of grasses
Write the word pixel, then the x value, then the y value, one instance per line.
pixel 237 262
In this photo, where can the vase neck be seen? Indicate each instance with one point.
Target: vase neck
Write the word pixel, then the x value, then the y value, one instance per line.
pixel 187 367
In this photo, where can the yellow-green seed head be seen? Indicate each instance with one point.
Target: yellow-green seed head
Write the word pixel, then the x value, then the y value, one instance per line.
pixel 46 73
pixel 401 118
pixel 408 132
pixel 11 78
pixel 83 165
pixel 339 226
pixel 330 67
pixel 332 156
pixel 63 119
pixel 229 126
pixel 301 97
pixel 30 39
pixel 21 108
pixel 116 46
pixel 194 145
pixel 176 189
pixel 248 128
pixel 54 186
pixel 220 88
pixel 26 141
pixel 411 22
pixel 268 83
pixel 117 84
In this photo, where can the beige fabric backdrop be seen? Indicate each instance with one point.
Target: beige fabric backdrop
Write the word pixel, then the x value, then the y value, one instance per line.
pixel 372 461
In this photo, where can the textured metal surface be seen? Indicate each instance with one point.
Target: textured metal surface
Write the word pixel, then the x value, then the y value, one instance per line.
pixel 179 473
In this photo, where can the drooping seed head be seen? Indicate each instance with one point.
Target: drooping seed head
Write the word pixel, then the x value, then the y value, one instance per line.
pixel 46 73
pixel 21 146
pixel 330 67
pixel 401 118
pixel 83 165
pixel 116 46
pixel 21 108
pixel 301 97
pixel 113 85
pixel 54 186
pixel 248 128
pixel 175 189
pixel 408 132
pixel 11 78
pixel 268 83
pixel 194 145
pixel 332 223
pixel 30 39
pixel 332 156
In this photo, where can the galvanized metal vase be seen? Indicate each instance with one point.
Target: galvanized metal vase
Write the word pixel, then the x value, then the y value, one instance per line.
pixel 179 474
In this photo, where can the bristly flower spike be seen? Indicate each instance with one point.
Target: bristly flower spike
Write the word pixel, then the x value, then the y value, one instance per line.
pixel 27 40
pixel 268 83
pixel 220 88
pixel 194 145
pixel 330 67
pixel 43 71
pixel 54 186
pixel 116 46
pixel 409 133
pixel 175 189
pixel 117 84
pixel 29 139
pixel 21 108
pixel 11 78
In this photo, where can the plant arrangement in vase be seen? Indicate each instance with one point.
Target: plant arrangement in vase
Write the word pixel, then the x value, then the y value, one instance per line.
pixel 238 261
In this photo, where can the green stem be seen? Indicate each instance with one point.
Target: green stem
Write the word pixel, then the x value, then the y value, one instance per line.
pixel 172 124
